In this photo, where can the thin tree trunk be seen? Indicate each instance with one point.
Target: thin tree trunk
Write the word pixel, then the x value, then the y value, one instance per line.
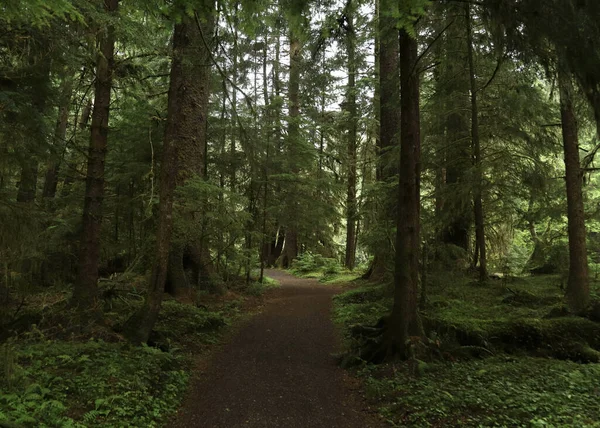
pixel 267 136
pixel 351 209
pixel 290 251
pixel 234 78
pixel 578 288
pixel 404 320
pixel 477 197
pixel 86 287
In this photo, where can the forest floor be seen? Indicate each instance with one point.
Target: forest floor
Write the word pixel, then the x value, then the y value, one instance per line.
pixel 500 354
pixel 279 369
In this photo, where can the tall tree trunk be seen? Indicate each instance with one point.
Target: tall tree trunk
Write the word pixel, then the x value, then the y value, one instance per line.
pixel 477 197
pixel 86 285
pixel 181 133
pixel 40 85
pixel 234 94
pixel 192 150
pixel 578 288
pixel 456 213
pixel 389 132
pixel 404 320
pixel 290 251
pixel 351 208
pixel 267 136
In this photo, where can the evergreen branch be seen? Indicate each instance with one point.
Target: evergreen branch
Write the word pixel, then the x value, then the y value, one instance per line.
pixel 428 48
pixel 221 72
pixel 496 70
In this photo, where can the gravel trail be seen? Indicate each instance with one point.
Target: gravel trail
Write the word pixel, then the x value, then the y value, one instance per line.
pixel 278 369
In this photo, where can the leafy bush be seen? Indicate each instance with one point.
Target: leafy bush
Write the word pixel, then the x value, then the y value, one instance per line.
pixel 309 263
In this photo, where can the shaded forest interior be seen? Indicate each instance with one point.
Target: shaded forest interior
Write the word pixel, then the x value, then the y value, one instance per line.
pixel 436 158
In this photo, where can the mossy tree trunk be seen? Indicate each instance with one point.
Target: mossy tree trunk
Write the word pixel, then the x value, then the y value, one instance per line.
pixel 195 51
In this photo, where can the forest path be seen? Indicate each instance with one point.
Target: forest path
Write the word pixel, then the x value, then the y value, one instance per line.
pixel 278 371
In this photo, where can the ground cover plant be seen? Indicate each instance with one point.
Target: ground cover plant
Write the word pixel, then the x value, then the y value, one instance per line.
pixel 53 378
pixel 504 353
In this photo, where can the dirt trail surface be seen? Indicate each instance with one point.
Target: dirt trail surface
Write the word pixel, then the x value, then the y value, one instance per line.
pixel 278 371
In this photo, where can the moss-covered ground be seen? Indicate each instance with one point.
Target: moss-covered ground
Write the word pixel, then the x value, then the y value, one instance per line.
pixel 507 354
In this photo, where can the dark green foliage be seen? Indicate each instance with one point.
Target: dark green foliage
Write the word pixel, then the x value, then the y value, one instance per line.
pixel 309 263
pixel 466 378
pixel 179 323
pixel 90 384
pixel 365 305
pixel 495 392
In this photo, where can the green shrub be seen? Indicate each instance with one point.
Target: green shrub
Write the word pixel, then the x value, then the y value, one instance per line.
pixel 309 263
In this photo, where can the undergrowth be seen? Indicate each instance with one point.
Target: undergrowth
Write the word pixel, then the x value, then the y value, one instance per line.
pixel 515 325
pixel 95 383
pixel 326 270
pixel 49 378
pixel 495 392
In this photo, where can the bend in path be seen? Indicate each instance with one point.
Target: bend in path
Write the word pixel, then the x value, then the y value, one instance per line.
pixel 278 369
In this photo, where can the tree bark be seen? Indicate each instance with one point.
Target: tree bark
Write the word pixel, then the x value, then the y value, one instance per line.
pixel 86 287
pixel 290 251
pixel 404 320
pixel 578 289
pixel 351 207
pixel 389 132
pixel 194 47
pixel 185 101
pixel 475 142
pixel 267 134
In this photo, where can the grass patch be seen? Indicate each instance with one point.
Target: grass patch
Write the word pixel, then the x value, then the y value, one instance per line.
pixel 341 278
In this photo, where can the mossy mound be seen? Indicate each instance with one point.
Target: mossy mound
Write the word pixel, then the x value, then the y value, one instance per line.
pixel 572 338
